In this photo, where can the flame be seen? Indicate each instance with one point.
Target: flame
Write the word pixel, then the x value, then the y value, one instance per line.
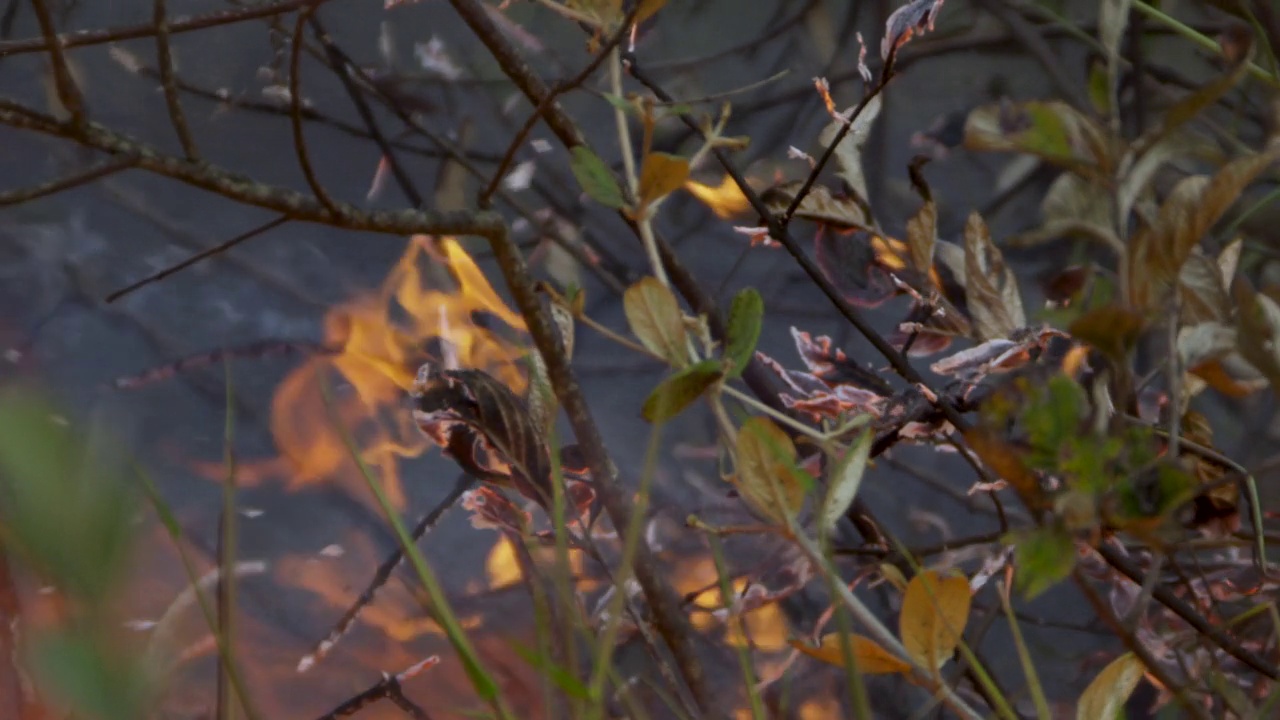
pixel 725 199
pixel 380 339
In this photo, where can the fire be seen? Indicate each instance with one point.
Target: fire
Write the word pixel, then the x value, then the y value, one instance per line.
pixel 381 338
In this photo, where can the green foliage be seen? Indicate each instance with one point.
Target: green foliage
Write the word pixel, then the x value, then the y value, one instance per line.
pixel 596 179
pixel 746 318
pixel 1045 556
pixel 678 391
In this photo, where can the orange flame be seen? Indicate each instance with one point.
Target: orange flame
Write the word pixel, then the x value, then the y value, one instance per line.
pixel 381 338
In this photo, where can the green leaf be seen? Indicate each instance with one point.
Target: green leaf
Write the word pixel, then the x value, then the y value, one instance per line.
pixel 746 317
pixel 595 177
pixel 1105 697
pixel 678 391
pixel 660 175
pixel 846 478
pixel 1052 130
pixel 1043 556
pixel 563 679
pixel 767 476
pixel 80 671
pixel 655 318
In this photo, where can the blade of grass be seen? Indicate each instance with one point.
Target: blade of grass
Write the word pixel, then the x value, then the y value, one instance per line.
pixel 1024 657
pixel 225 709
pixel 744 655
pixel 483 683
pixel 174 530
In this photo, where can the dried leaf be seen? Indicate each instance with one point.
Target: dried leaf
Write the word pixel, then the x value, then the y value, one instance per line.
pixel 914 18
pixel 678 391
pixel 868 655
pixel 848 154
pixel 655 318
pixel 484 427
pixel 596 179
pixel 746 317
pixel 922 236
pixel 767 475
pixel 819 205
pixel 1113 18
pixel 1112 329
pixel 1110 690
pixel 846 478
pixel 859 264
pixel 1197 203
pixel 1073 206
pixel 1259 331
pixel 934 613
pixel 1203 342
pixel 1007 463
pixel 660 175
pixel 991 290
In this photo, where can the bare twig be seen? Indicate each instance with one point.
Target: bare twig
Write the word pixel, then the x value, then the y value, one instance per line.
pixel 68 92
pixel 295 115
pixel 110 167
pixel 164 61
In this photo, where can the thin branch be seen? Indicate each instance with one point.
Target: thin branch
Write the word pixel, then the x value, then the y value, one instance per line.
pixel 389 688
pixel 295 115
pixel 68 92
pixel 196 258
pixel 239 188
pixel 84 38
pixel 164 60
pixel 97 172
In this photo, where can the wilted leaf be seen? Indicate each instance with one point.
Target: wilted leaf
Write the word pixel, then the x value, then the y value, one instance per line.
pixel 1112 329
pixel 484 427
pixel 1007 464
pixel 1203 342
pixel 746 317
pixel 848 154
pixel 1197 203
pixel 914 18
pixel 1052 130
pixel 655 318
pixel 767 475
pixel 678 391
pixel 1192 105
pixel 858 263
pixel 1205 285
pixel 846 478
pixel 934 612
pixel 596 179
pixel 922 234
pixel 1073 206
pixel 1113 17
pixel 991 290
pixel 660 175
pixel 1043 557
pixel 1110 690
pixel 819 205
pixel 1259 331
pixel 868 655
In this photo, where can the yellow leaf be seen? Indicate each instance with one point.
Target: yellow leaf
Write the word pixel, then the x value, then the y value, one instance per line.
pixel 766 470
pixel 647 9
pixel 934 613
pixel 1109 691
pixel 660 175
pixel 725 199
pixel 868 655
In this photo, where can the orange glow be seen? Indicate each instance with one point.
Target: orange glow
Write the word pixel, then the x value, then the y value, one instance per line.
pixel 502 567
pixel 725 199
pixel 383 337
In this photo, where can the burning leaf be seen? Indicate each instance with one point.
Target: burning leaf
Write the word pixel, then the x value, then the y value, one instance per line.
pixel 848 154
pixel 660 175
pixel 1110 690
pixel 655 318
pixel 868 656
pixel 725 199
pixel 991 289
pixel 914 18
pixel 1158 252
pixel 484 427
pixel 596 179
pixel 934 613
pixel 846 478
pixel 767 475
pixel 746 317
pixel 678 391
